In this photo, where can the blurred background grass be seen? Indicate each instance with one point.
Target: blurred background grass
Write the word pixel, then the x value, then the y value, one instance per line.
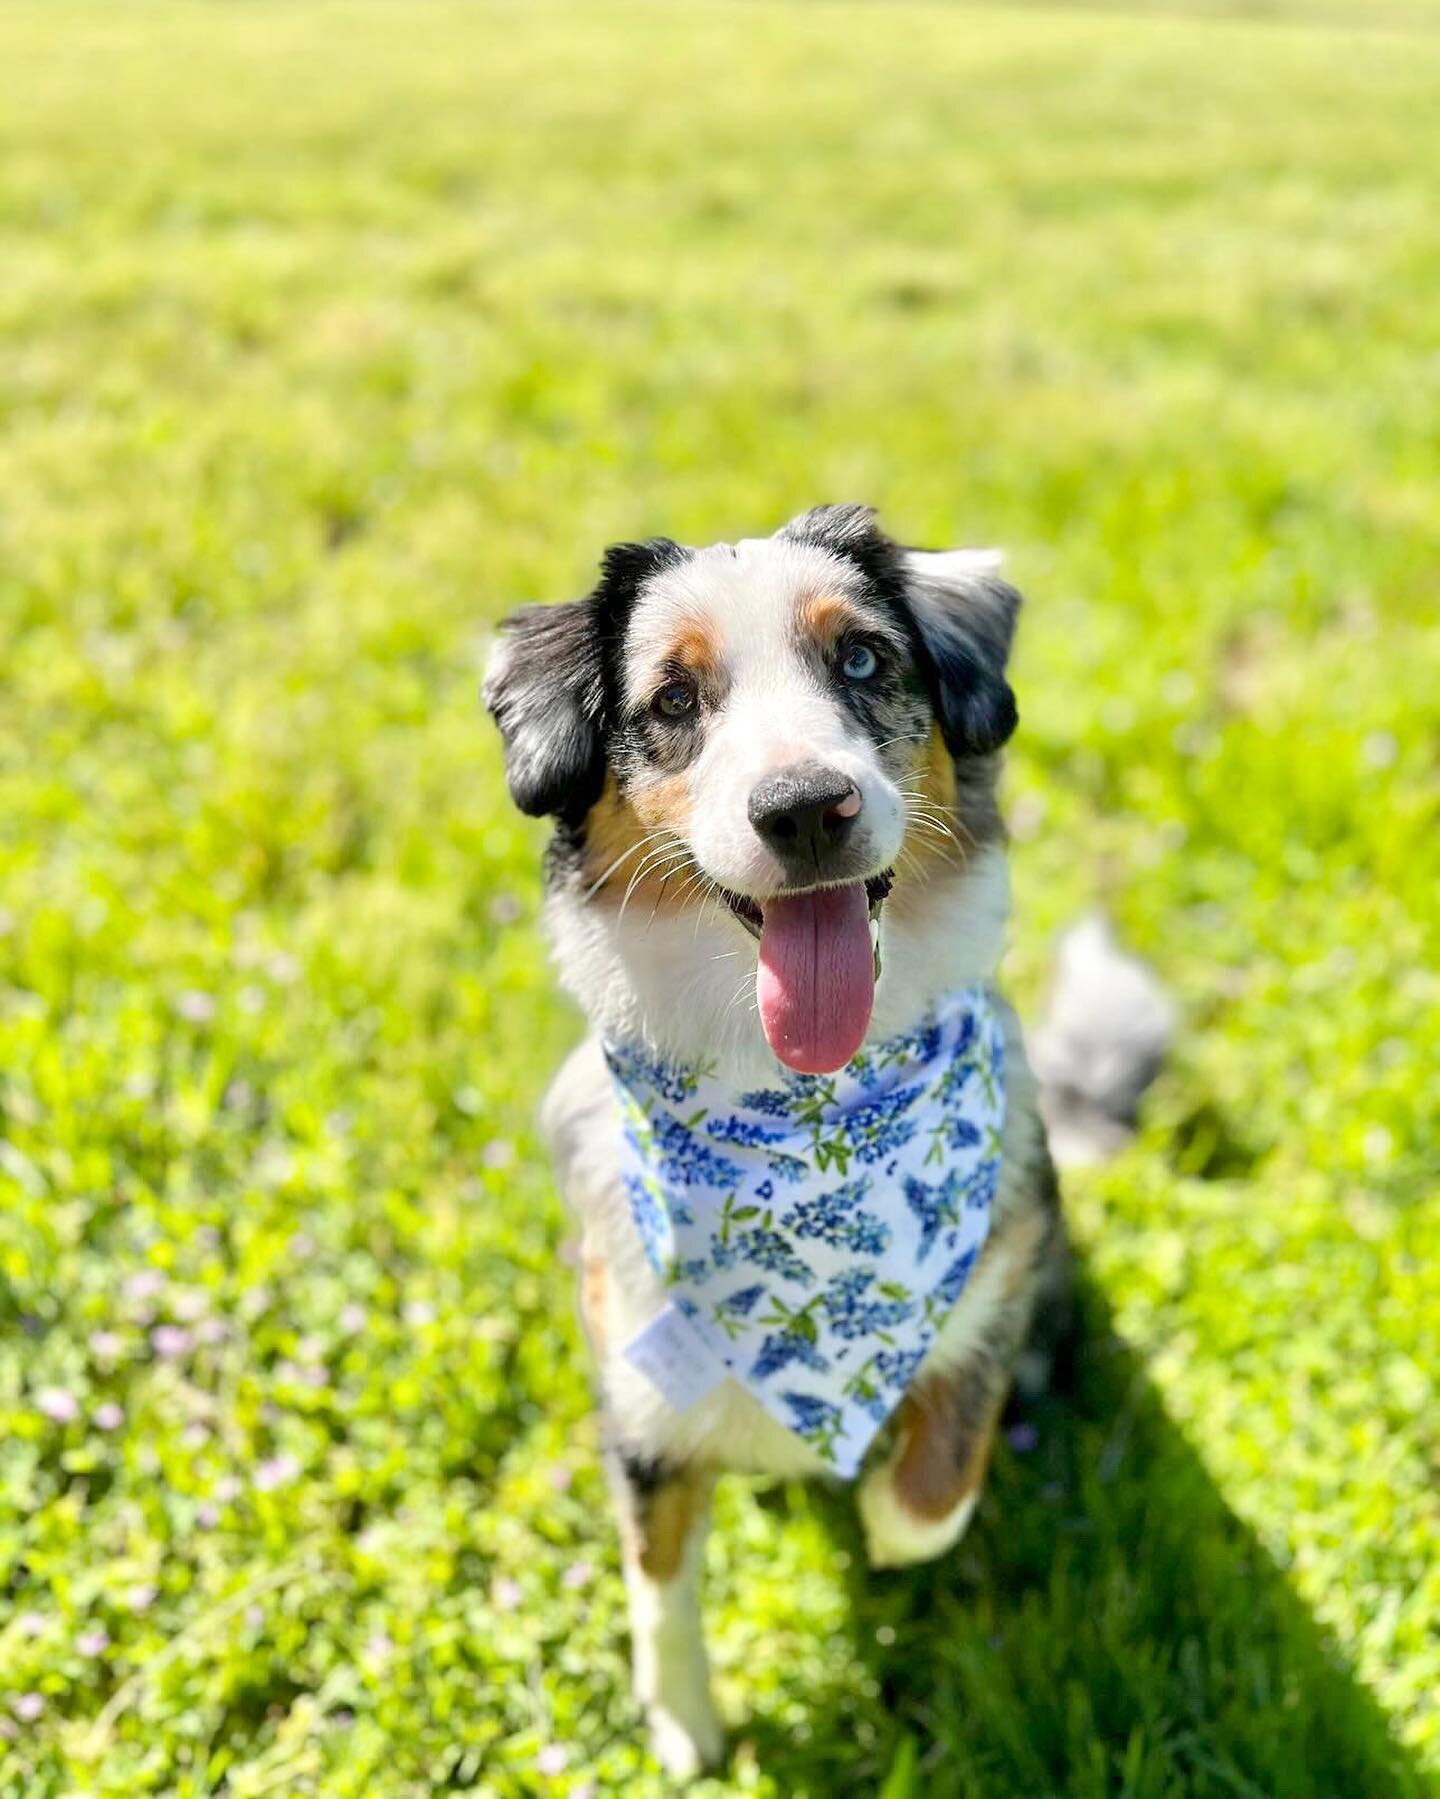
pixel 327 332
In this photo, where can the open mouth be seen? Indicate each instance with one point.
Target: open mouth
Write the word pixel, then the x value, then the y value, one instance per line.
pixel 877 891
pixel 819 962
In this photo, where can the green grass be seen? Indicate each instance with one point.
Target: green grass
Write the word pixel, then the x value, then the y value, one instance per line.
pixel 327 333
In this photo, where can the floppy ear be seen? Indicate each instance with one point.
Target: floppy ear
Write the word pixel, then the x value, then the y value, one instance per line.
pixel 545 689
pixel 546 684
pixel 965 618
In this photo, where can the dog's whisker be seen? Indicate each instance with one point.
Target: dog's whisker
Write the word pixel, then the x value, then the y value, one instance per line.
pixel 650 838
pixel 657 858
pixel 936 828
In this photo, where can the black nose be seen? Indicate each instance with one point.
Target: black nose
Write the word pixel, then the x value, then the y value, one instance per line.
pixel 805 812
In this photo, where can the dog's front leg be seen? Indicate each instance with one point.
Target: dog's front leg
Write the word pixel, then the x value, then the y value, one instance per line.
pixel 663 1516
pixel 917 1503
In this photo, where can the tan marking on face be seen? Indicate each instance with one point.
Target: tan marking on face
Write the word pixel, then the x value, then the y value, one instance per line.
pixel 621 831
pixel 826 617
pixel 697 648
pixel 936 844
pixel 664 803
pixel 665 1523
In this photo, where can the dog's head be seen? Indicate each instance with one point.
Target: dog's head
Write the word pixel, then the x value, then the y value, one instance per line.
pixel 777 724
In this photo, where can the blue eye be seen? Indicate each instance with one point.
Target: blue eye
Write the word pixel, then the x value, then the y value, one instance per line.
pixel 859 662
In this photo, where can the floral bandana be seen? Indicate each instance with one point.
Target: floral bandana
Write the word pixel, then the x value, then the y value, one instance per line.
pixel 813 1235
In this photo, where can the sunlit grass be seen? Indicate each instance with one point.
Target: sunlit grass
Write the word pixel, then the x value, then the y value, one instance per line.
pixel 329 332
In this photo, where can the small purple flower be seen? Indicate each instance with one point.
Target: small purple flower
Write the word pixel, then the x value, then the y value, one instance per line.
pixel 57 1405
pixel 91 1643
pixel 28 1707
pixel 171 1341
pixel 276 1471
pixel 194 1006
pixel 255 1300
pixel 107 1346
pixel 144 1284
pixel 1022 1438
pixel 108 1416
pixel 505 1593
pixel 141 1598
pixel 554 1758
pixel 353 1318
pixel 578 1574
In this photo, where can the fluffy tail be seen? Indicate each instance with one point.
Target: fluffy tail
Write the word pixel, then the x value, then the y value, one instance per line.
pixel 1101 1043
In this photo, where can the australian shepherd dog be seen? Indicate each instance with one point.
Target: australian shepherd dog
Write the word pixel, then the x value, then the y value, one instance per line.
pixel 771 767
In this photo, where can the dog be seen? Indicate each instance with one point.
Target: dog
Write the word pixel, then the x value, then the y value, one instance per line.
pixel 777 886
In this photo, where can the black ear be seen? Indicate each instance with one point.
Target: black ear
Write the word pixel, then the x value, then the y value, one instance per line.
pixel 545 689
pixel 964 618
pixel 548 686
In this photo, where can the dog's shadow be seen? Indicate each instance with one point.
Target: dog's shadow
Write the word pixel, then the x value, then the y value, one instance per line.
pixel 1108 1626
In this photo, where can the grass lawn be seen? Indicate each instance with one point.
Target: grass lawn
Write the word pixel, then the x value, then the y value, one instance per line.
pixel 328 332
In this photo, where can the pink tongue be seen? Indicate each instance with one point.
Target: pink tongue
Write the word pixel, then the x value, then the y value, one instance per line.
pixel 816 982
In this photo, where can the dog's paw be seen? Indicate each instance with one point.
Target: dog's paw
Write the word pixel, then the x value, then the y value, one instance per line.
pixel 895 1537
pixel 686 1748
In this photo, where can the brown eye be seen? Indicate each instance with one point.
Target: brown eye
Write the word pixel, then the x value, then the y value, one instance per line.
pixel 676 699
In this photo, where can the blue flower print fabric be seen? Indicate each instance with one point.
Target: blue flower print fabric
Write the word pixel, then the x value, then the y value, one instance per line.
pixel 814 1234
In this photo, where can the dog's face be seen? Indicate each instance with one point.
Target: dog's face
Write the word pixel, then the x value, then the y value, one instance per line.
pixel 774 724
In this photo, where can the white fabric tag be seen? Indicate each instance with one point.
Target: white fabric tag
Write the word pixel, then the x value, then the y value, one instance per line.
pixel 675 1359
